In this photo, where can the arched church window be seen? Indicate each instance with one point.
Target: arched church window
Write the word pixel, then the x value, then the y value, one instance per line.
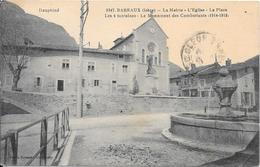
pixel 160 58
pixel 143 56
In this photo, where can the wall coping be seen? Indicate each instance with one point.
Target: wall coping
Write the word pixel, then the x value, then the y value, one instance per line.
pixel 170 97
pixel 216 124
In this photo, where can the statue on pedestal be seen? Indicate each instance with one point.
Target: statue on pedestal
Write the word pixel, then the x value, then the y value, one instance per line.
pixel 150 69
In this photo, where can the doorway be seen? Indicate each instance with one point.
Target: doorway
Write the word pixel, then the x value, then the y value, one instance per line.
pixel 60 85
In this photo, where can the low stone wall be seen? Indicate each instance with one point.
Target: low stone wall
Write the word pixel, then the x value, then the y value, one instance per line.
pixel 43 103
pixel 99 105
pixel 105 105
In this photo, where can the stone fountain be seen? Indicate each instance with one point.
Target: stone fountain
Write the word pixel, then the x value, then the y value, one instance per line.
pixel 224 131
pixel 225 87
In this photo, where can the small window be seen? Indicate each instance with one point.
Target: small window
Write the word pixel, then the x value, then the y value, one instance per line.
pixel 96 82
pixel 65 64
pixel 91 66
pixel 121 56
pixel 202 82
pixel 186 81
pixel 83 82
pixel 204 93
pixel 246 70
pixel 192 81
pixel 160 58
pixel 143 55
pixel 125 68
pixel 38 81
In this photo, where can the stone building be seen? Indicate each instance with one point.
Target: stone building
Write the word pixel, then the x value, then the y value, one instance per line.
pixel 199 81
pixel 246 75
pixel 195 83
pixel 54 69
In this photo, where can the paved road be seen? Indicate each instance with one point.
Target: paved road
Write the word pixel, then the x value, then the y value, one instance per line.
pixel 130 140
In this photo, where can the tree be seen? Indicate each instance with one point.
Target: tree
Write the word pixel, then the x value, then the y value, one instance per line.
pixel 14 45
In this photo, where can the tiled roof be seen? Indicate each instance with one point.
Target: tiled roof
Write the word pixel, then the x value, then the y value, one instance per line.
pixel 178 74
pixel 201 70
pixel 213 69
pixel 76 49
pixel 252 62
pixel 122 41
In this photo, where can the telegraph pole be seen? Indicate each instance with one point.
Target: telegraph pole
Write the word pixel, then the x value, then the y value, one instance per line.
pixel 83 17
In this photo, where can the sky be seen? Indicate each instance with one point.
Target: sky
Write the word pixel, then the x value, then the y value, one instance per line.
pixel 239 34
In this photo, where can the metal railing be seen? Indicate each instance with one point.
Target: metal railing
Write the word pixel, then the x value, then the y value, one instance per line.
pixel 11 139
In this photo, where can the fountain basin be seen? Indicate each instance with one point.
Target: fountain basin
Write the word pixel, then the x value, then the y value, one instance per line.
pixel 212 132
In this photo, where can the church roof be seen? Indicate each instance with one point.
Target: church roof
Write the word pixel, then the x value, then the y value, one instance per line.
pixel 131 34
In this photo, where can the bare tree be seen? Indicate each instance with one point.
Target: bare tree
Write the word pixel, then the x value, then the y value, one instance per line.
pixel 14 46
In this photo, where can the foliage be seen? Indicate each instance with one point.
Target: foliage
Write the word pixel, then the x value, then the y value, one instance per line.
pixel 14 47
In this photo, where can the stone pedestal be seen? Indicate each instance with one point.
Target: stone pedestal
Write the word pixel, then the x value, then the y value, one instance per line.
pixel 151 84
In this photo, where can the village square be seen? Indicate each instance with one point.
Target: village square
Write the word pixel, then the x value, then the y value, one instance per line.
pixel 65 103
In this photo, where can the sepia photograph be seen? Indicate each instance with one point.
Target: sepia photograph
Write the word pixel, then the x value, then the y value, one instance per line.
pixel 143 83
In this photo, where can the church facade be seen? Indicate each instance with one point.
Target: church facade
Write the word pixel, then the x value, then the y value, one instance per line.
pixel 123 69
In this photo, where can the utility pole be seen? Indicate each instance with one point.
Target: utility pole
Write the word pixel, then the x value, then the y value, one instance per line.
pixel 83 16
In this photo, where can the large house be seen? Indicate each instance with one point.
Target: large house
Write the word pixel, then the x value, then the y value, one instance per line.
pixel 54 69
pixel 198 82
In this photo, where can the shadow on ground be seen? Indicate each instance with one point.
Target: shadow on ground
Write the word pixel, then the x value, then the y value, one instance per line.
pixel 246 158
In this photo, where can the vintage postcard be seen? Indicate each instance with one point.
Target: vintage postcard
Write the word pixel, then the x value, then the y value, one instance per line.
pixel 129 83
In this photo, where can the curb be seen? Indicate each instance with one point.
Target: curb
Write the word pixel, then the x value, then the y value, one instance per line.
pixel 65 157
pixel 211 147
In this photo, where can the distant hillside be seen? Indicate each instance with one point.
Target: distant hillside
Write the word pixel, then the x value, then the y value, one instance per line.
pixel 15 23
pixel 174 69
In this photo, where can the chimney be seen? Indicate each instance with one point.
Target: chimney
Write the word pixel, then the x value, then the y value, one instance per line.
pixel 228 62
pixel 193 66
pixel 118 40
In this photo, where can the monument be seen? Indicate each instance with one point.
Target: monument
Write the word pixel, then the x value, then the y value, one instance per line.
pixel 151 80
pixel 225 87
pixel 224 131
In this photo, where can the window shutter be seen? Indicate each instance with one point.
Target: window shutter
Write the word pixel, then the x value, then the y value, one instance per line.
pixel 35 82
pixel 242 99
pixel 252 99
pixel 100 83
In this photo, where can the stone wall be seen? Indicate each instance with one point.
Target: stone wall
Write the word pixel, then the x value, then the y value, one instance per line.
pixel 35 103
pixel 104 105
pixel 99 105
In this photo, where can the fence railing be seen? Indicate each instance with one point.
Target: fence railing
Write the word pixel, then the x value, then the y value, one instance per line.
pixel 62 128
